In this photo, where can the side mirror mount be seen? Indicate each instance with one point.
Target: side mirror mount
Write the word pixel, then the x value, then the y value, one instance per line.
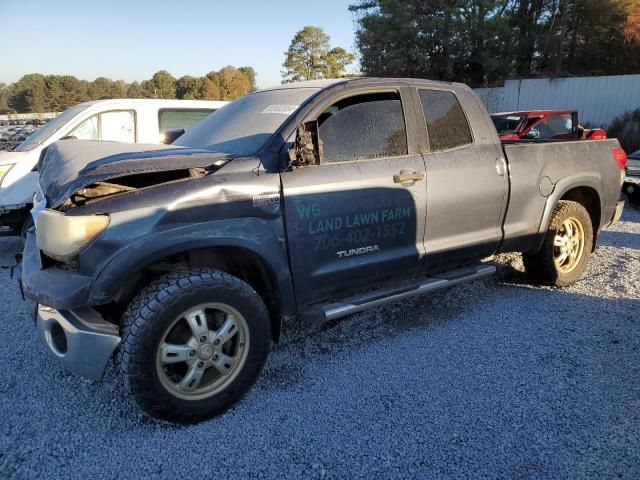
pixel 306 149
pixel 171 136
pixel 532 134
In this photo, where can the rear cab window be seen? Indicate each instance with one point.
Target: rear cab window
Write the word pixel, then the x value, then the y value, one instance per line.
pixel 447 124
pixel 556 125
pixel 170 119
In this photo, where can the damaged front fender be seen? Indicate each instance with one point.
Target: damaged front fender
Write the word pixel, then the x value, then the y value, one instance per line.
pixel 253 234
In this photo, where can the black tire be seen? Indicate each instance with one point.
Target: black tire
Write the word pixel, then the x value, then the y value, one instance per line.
pixel 541 266
pixel 152 312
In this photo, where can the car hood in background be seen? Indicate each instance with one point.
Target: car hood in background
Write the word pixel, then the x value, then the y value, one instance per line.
pixel 70 165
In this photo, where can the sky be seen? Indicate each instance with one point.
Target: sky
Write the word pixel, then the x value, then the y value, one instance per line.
pixel 131 40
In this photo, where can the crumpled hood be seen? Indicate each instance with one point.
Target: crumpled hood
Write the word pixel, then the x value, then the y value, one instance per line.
pixel 70 165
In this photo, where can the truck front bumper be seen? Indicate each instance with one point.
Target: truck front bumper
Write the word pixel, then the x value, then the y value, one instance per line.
pixel 76 334
pixel 53 287
pixel 80 339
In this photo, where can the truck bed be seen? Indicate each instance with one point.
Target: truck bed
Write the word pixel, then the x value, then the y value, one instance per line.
pixel 556 167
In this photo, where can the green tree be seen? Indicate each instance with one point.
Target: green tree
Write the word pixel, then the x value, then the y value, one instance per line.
pixel 188 87
pixel 482 42
pixel 64 91
pixel 5 92
pixel 39 93
pixel 29 94
pixel 100 88
pixel 233 83
pixel 310 57
pixel 464 40
pixel 588 37
pixel 251 75
pixel 210 89
pixel 161 85
pixel 135 90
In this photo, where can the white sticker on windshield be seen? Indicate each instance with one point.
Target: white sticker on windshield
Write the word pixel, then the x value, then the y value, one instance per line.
pixel 281 109
pixel 513 118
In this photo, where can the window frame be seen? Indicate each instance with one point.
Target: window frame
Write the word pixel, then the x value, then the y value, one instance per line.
pixel 179 109
pixel 357 92
pixel 574 124
pixel 426 123
pixel 99 116
pixel 135 123
pixel 81 122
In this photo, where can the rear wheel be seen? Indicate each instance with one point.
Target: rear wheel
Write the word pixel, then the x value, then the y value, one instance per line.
pixel 566 249
pixel 193 343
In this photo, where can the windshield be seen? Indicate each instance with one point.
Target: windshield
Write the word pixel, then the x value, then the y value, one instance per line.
pixel 51 127
pixel 507 123
pixel 244 126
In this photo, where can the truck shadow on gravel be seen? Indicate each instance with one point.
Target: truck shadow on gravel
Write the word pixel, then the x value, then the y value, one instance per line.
pixel 620 240
pixel 303 340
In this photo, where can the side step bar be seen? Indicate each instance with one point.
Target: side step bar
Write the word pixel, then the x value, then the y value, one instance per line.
pixel 392 294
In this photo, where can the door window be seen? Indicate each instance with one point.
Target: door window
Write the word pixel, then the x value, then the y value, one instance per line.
pixel 172 119
pixel 118 126
pixel 446 123
pixel 87 130
pixel 115 126
pixel 363 127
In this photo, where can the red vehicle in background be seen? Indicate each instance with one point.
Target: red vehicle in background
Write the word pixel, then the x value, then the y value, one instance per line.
pixel 543 125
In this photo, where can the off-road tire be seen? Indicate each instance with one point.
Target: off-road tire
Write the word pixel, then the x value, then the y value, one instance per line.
pixel 149 315
pixel 541 266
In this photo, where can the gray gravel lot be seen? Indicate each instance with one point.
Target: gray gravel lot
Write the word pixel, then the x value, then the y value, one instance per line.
pixel 494 379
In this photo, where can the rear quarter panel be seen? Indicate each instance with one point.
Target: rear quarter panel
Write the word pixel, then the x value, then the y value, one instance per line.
pixel 541 173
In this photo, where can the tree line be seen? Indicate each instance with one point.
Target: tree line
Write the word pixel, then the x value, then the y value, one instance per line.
pixel 483 42
pixel 53 93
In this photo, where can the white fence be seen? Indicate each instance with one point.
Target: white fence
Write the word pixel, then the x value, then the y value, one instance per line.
pixel 598 99
pixel 29 116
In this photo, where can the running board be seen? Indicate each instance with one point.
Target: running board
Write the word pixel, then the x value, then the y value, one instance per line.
pixel 380 297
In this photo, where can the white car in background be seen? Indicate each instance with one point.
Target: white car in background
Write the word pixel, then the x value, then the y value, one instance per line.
pixel 119 120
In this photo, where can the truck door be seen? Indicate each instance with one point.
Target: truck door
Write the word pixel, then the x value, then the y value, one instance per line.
pixel 467 181
pixel 356 217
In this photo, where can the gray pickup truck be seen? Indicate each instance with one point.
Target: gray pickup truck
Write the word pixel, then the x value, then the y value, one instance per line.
pixel 309 200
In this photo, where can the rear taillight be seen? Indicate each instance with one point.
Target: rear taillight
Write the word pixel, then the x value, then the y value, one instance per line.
pixel 620 157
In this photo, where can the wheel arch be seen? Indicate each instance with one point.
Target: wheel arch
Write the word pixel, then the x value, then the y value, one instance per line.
pixel 586 189
pixel 261 262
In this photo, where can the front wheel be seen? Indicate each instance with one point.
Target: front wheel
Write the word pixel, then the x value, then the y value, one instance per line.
pixel 193 343
pixel 566 249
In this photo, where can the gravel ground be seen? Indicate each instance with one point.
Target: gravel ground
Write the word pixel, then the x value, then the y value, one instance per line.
pixel 495 379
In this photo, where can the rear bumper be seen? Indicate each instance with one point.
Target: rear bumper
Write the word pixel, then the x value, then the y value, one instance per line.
pixel 80 339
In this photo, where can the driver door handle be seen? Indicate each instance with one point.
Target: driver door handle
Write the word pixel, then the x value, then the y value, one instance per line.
pixel 408 177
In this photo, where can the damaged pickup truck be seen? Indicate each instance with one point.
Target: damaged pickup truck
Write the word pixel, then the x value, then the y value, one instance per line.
pixel 310 200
